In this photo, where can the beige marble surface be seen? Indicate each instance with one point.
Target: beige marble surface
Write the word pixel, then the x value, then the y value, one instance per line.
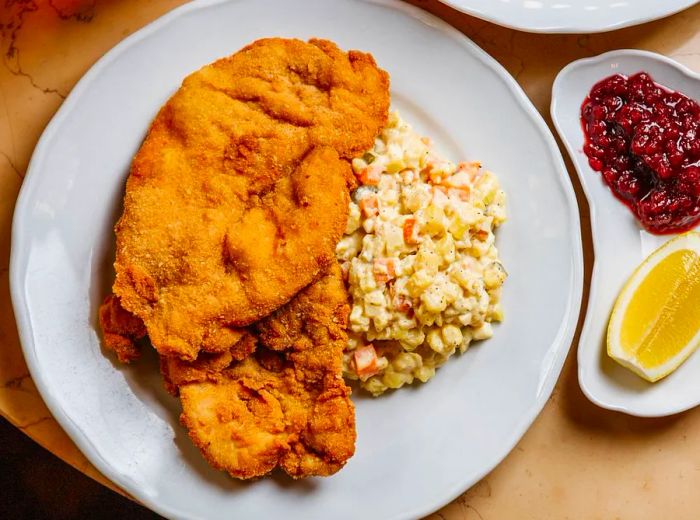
pixel 577 461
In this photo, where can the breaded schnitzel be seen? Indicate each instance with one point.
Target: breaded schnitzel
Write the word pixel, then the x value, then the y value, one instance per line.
pixel 239 193
pixel 289 408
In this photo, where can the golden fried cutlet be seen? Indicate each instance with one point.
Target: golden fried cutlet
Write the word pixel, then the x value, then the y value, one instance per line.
pixel 239 193
pixel 288 406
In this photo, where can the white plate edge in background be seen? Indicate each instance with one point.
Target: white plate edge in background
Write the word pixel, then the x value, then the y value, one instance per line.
pixel 527 16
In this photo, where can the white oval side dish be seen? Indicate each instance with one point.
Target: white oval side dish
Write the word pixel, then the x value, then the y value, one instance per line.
pixel 572 16
pixel 619 241
pixel 418 448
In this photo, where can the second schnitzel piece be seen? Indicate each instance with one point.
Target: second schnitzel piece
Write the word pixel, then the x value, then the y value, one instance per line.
pixel 239 193
pixel 289 408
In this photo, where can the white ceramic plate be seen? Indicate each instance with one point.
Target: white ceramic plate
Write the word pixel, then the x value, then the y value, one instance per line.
pixel 569 16
pixel 619 241
pixel 417 448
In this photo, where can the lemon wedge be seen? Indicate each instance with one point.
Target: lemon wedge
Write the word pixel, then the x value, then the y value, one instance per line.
pixel 655 323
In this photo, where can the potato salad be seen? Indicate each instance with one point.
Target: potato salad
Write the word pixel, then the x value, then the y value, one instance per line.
pixel 419 258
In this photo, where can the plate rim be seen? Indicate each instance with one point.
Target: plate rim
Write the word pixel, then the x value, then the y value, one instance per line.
pixel 587 327
pixel 560 346
pixel 567 29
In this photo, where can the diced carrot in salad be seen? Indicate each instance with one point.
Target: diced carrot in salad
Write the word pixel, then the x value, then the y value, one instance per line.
pixel 369 206
pixel 481 234
pixel 384 269
pixel 370 175
pixel 366 361
pixel 410 231
pixel 451 187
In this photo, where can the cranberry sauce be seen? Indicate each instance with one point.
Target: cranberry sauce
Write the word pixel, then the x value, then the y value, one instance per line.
pixel 645 140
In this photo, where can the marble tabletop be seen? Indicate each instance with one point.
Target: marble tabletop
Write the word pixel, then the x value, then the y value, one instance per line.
pixel 577 460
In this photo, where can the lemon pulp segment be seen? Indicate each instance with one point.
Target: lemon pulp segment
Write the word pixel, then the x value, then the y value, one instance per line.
pixel 664 313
